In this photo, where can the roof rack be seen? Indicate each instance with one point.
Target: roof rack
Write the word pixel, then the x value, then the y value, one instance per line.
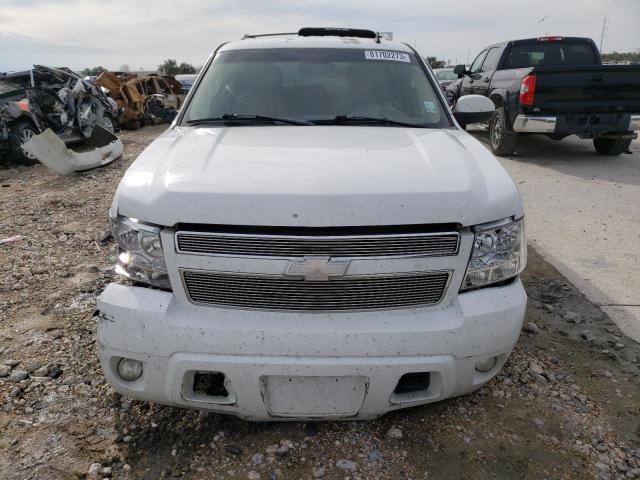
pixel 324 32
pixel 246 35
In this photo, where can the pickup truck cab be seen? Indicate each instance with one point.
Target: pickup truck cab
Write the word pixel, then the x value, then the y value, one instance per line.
pixel 556 86
pixel 314 237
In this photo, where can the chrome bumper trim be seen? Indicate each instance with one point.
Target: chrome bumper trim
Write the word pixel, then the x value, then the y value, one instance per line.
pixel 531 124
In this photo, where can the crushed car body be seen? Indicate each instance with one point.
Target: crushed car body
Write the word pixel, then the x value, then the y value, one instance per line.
pixel 56 99
pixel 146 100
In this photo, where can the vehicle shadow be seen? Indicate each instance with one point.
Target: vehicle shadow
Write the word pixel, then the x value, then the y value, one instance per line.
pixel 573 156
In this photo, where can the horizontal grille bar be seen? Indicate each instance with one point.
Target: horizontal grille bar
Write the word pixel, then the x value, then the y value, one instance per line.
pixel 332 246
pixel 346 293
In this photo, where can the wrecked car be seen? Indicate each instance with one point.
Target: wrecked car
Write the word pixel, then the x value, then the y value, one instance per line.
pixel 146 100
pixel 18 124
pixel 315 237
pixel 52 98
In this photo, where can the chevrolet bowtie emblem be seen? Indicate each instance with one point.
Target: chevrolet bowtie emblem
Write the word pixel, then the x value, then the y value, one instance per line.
pixel 316 268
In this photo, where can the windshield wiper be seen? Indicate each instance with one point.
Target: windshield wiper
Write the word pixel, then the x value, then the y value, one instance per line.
pixel 236 118
pixel 357 120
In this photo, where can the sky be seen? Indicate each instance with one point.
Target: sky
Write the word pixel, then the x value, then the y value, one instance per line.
pixel 143 33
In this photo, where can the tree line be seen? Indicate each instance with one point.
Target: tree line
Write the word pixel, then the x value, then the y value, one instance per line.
pixel 621 57
pixel 168 67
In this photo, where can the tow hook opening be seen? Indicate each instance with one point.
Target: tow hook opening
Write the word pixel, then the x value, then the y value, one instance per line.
pixel 412 382
pixel 210 384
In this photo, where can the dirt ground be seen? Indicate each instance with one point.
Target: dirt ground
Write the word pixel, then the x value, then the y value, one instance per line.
pixel 566 405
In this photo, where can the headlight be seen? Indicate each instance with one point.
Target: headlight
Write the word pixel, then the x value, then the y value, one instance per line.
pixel 140 255
pixel 499 253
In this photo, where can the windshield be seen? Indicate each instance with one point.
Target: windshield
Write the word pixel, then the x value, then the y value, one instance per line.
pixel 314 84
pixel 446 75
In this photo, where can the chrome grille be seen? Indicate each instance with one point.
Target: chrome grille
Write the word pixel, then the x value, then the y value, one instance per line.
pixel 346 293
pixel 425 244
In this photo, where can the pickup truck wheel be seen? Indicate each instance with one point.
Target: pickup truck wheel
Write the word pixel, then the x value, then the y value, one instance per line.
pixel 503 142
pixel 611 146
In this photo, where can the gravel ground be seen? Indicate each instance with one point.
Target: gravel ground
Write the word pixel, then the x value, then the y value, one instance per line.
pixel 566 405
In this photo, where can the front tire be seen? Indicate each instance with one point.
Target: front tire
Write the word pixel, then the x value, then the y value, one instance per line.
pixel 611 146
pixel 22 132
pixel 502 141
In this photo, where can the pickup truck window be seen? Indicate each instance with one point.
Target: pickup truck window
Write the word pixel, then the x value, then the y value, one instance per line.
pixel 477 63
pixel 316 84
pixel 552 54
pixel 492 59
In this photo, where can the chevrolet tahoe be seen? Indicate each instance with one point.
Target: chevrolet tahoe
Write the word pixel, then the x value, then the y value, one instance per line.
pixel 314 237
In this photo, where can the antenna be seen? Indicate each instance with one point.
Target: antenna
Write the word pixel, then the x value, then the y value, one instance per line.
pixel 542 20
pixel 604 28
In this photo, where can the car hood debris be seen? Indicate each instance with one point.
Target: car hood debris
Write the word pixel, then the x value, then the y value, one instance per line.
pixel 102 148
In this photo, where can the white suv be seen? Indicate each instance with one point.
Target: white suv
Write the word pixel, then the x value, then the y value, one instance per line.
pixel 314 238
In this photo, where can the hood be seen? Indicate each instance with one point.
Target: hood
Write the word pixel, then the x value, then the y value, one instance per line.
pixel 316 176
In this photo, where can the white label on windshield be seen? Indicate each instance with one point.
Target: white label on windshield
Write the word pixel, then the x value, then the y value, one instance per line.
pixel 430 107
pixel 386 55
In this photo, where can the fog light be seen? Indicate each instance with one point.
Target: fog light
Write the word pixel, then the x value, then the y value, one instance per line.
pixel 129 369
pixel 486 364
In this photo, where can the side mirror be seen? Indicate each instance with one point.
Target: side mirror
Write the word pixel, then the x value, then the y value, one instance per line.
pixel 473 109
pixel 460 70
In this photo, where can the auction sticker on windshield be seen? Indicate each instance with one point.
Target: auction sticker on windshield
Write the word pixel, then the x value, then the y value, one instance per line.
pixel 386 55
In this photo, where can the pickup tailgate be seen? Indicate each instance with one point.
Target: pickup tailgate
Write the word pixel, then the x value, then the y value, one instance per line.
pixel 587 89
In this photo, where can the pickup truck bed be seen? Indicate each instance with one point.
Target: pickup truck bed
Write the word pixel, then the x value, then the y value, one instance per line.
pixel 587 89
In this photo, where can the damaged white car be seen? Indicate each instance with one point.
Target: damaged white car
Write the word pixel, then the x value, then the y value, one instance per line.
pixel 54 116
pixel 315 237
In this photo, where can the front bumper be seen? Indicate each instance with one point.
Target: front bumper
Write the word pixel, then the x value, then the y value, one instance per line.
pixel 284 365
pixel 585 126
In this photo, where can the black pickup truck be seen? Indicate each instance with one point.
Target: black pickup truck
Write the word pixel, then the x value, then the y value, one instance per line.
pixel 556 86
